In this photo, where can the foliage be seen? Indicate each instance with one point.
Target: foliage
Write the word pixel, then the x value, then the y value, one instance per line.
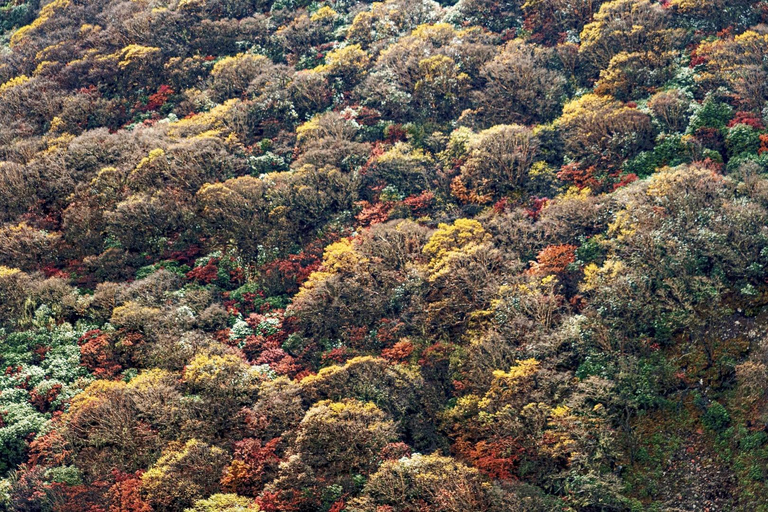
pixel 392 256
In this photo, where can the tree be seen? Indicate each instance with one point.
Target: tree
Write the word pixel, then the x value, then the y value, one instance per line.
pixel 347 64
pixel 599 129
pixel 631 76
pixel 232 75
pixel 170 485
pixel 672 109
pixel 716 15
pixel 13 286
pixel 103 429
pixel 440 483
pixel 551 21
pixel 521 86
pixel 341 439
pixel 737 63
pixel 237 212
pixel 497 164
pixel 629 26
pixel 224 503
pixel 395 389
pixel 409 170
pixel 330 139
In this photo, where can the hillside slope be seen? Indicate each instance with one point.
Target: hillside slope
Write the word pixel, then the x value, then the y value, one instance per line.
pixel 383 257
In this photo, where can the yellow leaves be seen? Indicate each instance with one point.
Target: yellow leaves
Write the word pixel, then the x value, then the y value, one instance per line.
pixel 231 60
pixel 361 27
pixel 347 61
pixel 338 257
pixel 506 395
pixel 8 272
pixel 438 34
pixel 212 119
pixel 666 180
pixel 548 280
pixel 210 370
pixel 308 130
pixel 594 276
pixel 323 13
pixel 97 393
pixel 183 474
pixel 13 82
pixel 153 155
pixel 240 60
pixel 595 126
pixel 499 160
pixel 226 502
pixel 464 236
pixel 436 66
pixel 623 226
pixel 342 407
pixel 23 32
pixel 174 453
pixel 45 14
pixel 439 75
pixel 561 411
pixel 87 29
pixel 136 53
pixel 576 194
pixel 628 25
pixel 133 315
pixel 330 371
pixel 44 67
pixel 574 109
pixel 22 229
pixel 688 5
pixel 190 5
pixel 146 163
pixel 520 371
pixel 341 256
pixel 404 154
pixel 751 38
pixel 149 379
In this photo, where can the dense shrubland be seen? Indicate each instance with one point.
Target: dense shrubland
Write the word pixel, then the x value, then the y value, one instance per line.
pixel 392 256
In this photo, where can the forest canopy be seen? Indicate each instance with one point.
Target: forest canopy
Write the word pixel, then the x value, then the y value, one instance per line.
pixel 392 256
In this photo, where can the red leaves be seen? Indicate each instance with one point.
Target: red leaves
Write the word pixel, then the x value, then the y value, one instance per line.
pixel 554 259
pixel 280 361
pixel 625 180
pixel 159 99
pixel 125 495
pixel 373 213
pixel 497 458
pixel 289 273
pixel 380 211
pixel 205 274
pixel 581 178
pixel 42 401
pixel 253 466
pixel 763 144
pixel 48 449
pixel 269 502
pixel 337 355
pixel 395 451
pixel 399 352
pixel 395 133
pixel 96 354
pixel 747 118
pixel 420 204
pixel 711 138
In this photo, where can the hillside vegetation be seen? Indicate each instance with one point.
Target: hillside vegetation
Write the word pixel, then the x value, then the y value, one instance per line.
pixel 401 256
